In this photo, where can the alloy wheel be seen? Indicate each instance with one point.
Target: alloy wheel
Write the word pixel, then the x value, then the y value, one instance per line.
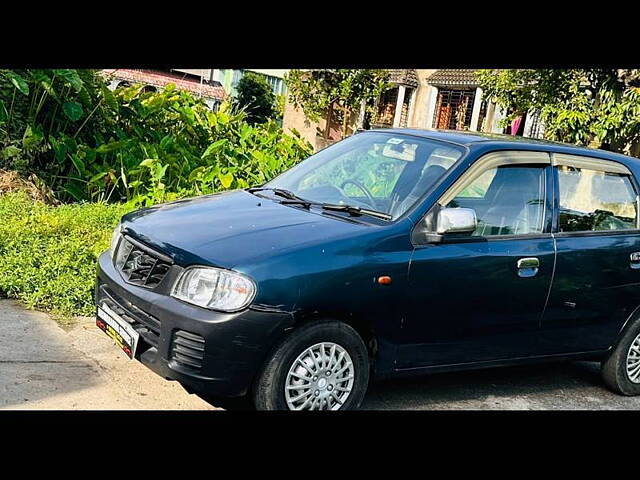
pixel 633 361
pixel 320 378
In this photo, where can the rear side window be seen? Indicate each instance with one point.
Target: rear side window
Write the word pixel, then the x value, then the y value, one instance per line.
pixel 595 200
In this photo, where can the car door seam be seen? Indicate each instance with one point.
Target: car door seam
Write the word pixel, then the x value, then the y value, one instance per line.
pixel 553 274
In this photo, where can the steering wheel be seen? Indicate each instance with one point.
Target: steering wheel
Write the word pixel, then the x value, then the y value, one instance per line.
pixel 364 189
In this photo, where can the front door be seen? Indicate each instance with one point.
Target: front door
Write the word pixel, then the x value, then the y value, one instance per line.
pixel 480 297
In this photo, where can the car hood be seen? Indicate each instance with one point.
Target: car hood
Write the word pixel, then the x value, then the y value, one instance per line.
pixel 231 228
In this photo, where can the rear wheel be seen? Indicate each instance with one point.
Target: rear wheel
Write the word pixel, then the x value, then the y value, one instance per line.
pixel 321 366
pixel 621 369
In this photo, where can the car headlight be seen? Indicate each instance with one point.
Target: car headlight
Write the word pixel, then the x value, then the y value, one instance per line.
pixel 115 238
pixel 214 288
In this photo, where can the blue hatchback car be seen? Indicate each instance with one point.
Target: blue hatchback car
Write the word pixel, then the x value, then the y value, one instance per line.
pixel 392 252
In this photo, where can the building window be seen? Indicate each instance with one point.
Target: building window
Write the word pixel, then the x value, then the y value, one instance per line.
pixel 386 108
pixel 275 83
pixel 454 108
pixel 535 127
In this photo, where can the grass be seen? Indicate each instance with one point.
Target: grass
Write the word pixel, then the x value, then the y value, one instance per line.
pixel 48 254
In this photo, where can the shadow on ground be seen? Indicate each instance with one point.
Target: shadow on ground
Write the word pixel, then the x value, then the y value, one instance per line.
pixel 568 385
pixel 550 386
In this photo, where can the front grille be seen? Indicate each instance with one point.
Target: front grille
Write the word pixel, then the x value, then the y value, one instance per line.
pixel 141 265
pixel 187 350
pixel 146 325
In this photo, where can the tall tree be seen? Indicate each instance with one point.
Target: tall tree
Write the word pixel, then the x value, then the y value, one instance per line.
pixel 256 98
pixel 595 107
pixel 339 93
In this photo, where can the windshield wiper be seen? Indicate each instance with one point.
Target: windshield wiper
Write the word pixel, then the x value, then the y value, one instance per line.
pixel 353 210
pixel 293 199
pixel 299 201
pixel 278 191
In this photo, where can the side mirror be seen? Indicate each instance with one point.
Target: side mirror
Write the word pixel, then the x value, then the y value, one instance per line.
pixel 456 220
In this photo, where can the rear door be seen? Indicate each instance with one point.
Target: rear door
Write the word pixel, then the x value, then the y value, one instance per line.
pixel 597 274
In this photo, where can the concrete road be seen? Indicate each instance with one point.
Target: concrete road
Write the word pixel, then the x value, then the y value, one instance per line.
pixel 43 366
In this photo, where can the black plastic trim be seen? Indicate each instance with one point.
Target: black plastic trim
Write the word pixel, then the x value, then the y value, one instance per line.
pixel 149 250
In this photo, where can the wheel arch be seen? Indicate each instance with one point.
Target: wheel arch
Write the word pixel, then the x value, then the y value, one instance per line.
pixel 633 316
pixel 363 327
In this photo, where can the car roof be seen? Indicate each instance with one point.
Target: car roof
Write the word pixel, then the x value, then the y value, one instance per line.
pixel 501 141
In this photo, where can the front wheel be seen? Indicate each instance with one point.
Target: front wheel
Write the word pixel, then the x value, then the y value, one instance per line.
pixel 321 366
pixel 621 369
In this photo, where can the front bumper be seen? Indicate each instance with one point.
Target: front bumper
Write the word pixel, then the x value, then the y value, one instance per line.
pixel 235 344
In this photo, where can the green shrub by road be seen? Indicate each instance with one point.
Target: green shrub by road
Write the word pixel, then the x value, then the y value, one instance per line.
pixel 48 254
pixel 86 142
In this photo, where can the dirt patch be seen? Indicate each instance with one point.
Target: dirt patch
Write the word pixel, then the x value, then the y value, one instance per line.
pixel 12 181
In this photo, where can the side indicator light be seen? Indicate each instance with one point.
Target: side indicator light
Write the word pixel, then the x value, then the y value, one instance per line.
pixel 384 280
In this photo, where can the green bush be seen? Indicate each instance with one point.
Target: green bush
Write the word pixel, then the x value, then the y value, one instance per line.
pixel 48 254
pixel 256 98
pixel 89 143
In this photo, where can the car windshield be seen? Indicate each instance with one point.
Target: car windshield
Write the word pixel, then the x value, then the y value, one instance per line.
pixel 383 172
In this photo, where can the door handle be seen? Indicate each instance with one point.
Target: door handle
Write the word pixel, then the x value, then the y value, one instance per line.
pixel 634 260
pixel 528 267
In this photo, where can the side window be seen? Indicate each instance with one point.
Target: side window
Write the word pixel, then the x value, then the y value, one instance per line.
pixel 594 200
pixel 478 189
pixel 508 200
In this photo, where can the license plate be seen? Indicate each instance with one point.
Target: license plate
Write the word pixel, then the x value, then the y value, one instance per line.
pixel 118 329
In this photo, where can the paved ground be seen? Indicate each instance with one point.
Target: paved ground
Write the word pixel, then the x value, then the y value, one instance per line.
pixel 563 386
pixel 43 366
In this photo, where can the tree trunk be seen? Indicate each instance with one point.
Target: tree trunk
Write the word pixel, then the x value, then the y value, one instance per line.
pixel 327 126
pixel 345 119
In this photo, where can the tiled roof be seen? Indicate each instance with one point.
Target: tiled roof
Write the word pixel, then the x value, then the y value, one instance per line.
pixel 404 77
pixel 161 79
pixel 454 77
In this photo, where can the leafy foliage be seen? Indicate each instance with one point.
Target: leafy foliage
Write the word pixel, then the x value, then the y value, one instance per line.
pixel 87 142
pixel 256 98
pixel 38 104
pixel 321 92
pixel 596 107
pixel 168 144
pixel 48 254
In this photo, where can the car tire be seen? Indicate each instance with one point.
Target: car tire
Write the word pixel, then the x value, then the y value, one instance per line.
pixel 280 382
pixel 621 364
